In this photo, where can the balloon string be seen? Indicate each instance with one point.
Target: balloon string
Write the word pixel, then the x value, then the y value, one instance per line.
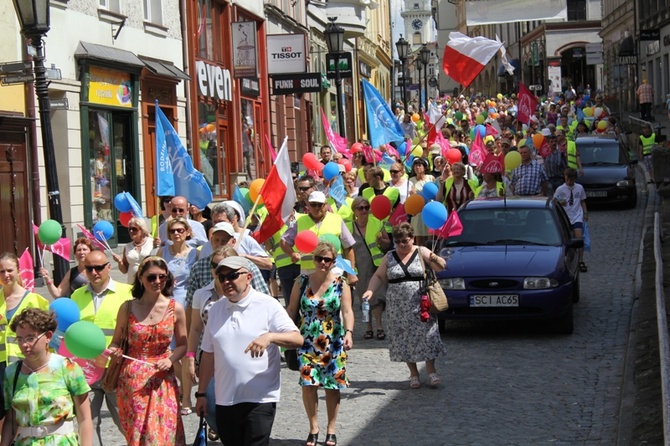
pixel 107 352
pixel 104 240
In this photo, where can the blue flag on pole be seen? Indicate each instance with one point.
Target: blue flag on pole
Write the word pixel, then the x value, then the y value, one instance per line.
pixel 239 198
pixel 383 126
pixel 135 208
pixel 386 161
pixel 175 174
pixel 337 191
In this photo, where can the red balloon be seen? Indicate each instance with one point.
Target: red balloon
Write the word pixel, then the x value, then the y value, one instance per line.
pixel 380 206
pixel 124 218
pixel 346 163
pixel 310 161
pixel 306 241
pixel 454 156
pixel 356 147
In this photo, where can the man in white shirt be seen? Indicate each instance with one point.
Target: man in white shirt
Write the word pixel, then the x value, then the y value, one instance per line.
pixel 240 348
pixel 179 208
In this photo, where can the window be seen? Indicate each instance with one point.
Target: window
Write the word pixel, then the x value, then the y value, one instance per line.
pixel 111 5
pixel 576 10
pixel 416 39
pixel 153 11
pixel 417 6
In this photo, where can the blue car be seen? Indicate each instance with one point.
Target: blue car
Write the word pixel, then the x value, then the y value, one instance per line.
pixel 516 259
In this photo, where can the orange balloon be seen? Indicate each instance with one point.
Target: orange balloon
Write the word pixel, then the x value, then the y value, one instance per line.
pixel 210 127
pixel 255 189
pixel 538 139
pixel 414 204
pixel 416 117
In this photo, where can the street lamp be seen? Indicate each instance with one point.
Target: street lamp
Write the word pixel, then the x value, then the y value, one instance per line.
pixel 402 46
pixel 335 41
pixel 424 58
pixel 34 18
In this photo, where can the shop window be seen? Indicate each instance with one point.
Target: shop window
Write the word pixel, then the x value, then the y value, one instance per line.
pixel 209 29
pixel 101 166
pixel 153 11
pixel 211 145
pixel 248 138
pixel 111 5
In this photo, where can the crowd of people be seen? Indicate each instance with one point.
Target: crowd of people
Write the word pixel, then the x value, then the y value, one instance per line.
pixel 203 303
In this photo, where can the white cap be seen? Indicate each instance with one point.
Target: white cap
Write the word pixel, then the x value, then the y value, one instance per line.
pixel 546 132
pixel 224 226
pixel 316 197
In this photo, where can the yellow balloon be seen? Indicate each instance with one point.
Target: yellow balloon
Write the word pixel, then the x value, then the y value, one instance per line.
pixel 512 160
pixel 480 119
pixel 588 111
pixel 499 96
pixel 602 125
pixel 417 151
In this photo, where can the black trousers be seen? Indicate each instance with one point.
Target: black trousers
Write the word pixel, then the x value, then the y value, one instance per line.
pixel 245 424
pixel 645 111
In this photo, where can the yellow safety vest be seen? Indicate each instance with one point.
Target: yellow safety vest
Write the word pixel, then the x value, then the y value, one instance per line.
pixel 105 317
pixel 647 143
pixel 571 152
pixel 374 227
pixel 500 189
pixel 345 211
pixel 473 183
pixel 9 349
pixel 391 193
pixel 280 257
pixel 331 224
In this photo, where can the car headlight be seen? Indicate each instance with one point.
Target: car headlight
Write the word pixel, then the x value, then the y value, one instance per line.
pixel 539 283
pixel 455 283
pixel 625 183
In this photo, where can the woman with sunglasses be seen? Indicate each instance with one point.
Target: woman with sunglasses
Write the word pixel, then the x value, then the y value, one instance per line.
pixel 372 240
pixel 141 246
pixel 147 393
pixel 327 325
pixel 75 278
pixel 411 339
pixel 180 259
pixel 399 181
pixel 45 391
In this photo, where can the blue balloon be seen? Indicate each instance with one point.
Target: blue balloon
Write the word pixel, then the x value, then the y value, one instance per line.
pixel 121 203
pixel 429 191
pixel 330 171
pixel 481 129
pixel 402 148
pixel 67 312
pixel 104 227
pixel 434 215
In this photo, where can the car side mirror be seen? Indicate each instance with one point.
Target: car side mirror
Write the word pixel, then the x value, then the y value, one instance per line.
pixel 576 243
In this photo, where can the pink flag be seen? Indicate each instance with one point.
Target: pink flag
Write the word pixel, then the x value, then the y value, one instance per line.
pixel 477 153
pixel 527 104
pixel 92 371
pixel 451 228
pixel 89 235
pixel 60 248
pixel 444 144
pixel 492 164
pixel 339 143
pixel 392 151
pixel 398 216
pixel 273 154
pixel 26 270
pixel 490 130
pixel 545 149
pixel 465 57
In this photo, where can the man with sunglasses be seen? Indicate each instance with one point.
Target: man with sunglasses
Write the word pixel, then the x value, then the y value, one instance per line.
pixel 303 187
pixel 179 208
pixel 240 346
pixel 99 302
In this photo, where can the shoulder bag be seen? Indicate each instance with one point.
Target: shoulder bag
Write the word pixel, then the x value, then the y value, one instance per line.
pixel 291 354
pixel 111 378
pixel 432 288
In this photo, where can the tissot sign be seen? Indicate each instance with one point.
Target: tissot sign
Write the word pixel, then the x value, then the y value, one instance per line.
pixel 286 53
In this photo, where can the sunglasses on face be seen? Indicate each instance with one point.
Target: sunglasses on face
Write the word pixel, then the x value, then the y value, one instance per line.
pixel 97 268
pixel 319 259
pixel 178 211
pixel 394 171
pixel 304 188
pixel 133 229
pixel 177 230
pixel 231 276
pixel 403 241
pixel 363 208
pixel 316 205
pixel 152 277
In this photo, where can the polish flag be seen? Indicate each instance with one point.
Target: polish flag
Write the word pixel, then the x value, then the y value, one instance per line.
pixel 465 57
pixel 278 195
pixel 26 270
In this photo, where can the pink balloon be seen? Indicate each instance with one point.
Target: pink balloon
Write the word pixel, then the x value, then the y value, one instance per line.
pixel 306 241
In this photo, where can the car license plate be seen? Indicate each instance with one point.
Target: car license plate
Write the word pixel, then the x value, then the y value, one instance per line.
pixel 495 300
pixel 595 193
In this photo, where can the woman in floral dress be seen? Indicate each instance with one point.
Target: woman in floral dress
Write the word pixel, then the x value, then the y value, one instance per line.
pixel 147 394
pixel 47 392
pixel 320 297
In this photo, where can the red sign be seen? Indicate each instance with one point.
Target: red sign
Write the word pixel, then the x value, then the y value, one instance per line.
pixel 492 164
pixel 527 104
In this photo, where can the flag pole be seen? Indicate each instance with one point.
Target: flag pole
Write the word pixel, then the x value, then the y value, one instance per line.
pixel 246 223
pixel 442 116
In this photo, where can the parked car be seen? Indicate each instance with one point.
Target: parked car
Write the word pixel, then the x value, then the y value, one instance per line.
pixel 609 175
pixel 516 259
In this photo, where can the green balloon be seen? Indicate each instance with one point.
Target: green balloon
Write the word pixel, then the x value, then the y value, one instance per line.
pixel 85 340
pixel 333 239
pixel 472 134
pixel 49 232
pixel 459 115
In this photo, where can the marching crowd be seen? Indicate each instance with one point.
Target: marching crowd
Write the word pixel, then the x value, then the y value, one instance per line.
pixel 204 303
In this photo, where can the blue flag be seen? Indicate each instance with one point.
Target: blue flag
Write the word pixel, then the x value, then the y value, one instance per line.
pixel 175 174
pixel 136 209
pixel 386 161
pixel 580 115
pixel 239 198
pixel 383 126
pixel 337 191
pixel 345 265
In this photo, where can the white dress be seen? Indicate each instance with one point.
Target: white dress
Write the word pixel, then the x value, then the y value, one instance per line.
pixel 135 255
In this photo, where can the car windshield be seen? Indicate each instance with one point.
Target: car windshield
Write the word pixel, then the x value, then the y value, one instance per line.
pixel 600 154
pixel 506 227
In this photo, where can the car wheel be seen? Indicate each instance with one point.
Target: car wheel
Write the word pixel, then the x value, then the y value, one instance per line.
pixel 564 324
pixel 441 325
pixel 575 291
pixel 630 204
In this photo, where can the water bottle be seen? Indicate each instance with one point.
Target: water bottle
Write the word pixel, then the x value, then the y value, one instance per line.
pixel 366 310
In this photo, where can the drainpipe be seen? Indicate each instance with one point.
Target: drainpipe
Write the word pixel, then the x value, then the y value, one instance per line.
pixel 187 88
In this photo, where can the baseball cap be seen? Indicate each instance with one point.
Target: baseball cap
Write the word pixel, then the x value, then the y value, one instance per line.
pixel 224 226
pixel 505 141
pixel 316 197
pixel 233 262
pixel 546 132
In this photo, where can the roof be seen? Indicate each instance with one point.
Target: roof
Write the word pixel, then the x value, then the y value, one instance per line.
pixel 104 53
pixel 597 140
pixel 164 68
pixel 510 202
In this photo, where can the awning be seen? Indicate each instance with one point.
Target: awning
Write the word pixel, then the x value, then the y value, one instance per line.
pixel 627 47
pixel 502 71
pixel 103 53
pixel 164 68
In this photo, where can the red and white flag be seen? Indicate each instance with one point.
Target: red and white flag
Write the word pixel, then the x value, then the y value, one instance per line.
pixel 26 270
pixel 278 195
pixel 465 57
pixel 527 104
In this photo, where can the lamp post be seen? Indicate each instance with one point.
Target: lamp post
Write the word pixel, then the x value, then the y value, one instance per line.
pixel 335 41
pixel 34 18
pixel 418 64
pixel 424 58
pixel 402 46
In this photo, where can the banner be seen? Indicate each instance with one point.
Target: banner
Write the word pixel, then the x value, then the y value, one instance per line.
pixel 485 12
pixel 383 127
pixel 527 104
pixel 337 142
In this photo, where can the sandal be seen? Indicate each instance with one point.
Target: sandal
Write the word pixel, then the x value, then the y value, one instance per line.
pixel 434 379
pixel 211 435
pixel 368 334
pixel 312 439
pixel 582 267
pixel 414 382
pixel 186 411
pixel 381 335
pixel 331 440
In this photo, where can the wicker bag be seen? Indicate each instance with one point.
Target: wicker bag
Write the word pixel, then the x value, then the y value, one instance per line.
pixel 111 378
pixel 433 289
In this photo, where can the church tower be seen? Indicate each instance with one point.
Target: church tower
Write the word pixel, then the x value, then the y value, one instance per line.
pixel 419 26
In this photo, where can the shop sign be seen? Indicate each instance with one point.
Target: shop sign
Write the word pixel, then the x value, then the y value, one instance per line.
pixel 534 54
pixel 296 83
pixel 250 87
pixel 650 34
pixel 365 69
pixel 244 49
pixel 627 60
pixel 110 87
pixel 213 81
pixel 653 48
pixel 286 53
pixel 344 62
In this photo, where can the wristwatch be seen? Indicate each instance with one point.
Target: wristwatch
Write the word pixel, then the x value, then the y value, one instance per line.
pixel 200 395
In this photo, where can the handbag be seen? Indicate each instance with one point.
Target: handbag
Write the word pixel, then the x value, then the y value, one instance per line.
pixel 433 289
pixel 201 434
pixel 111 378
pixel 291 354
